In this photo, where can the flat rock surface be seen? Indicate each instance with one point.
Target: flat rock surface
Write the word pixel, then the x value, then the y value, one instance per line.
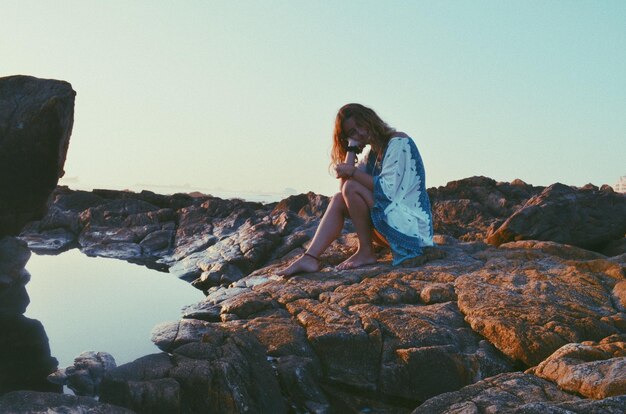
pixel 529 303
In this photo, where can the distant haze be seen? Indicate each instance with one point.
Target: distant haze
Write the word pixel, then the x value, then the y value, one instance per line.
pixel 241 95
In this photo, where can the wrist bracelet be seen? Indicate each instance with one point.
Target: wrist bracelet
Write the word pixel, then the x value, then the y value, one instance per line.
pixel 354 148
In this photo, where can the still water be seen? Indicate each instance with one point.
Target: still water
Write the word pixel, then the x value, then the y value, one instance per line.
pixel 97 304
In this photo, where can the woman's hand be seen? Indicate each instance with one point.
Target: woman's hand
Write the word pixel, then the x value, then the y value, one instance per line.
pixel 345 170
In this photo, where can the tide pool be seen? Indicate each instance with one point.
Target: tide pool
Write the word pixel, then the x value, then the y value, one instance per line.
pixel 98 304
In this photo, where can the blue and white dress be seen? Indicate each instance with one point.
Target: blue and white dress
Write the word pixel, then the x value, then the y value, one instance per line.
pixel 401 211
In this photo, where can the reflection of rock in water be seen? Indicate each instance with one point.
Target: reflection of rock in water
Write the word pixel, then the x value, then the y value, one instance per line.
pixel 25 359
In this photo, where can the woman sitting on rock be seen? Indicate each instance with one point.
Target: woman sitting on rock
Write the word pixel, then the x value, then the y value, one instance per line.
pixel 384 193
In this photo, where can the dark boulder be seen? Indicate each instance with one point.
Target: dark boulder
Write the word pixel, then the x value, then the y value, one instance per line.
pixel 467 208
pixel 585 217
pixel 36 119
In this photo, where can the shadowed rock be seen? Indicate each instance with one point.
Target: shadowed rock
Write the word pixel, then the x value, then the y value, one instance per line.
pixel 503 393
pixel 36 119
pixel 85 375
pixel 31 402
pixel 587 217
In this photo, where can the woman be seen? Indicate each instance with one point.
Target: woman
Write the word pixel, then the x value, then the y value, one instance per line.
pixel 384 194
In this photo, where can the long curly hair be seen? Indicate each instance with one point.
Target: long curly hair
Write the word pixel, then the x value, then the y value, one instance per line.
pixel 380 132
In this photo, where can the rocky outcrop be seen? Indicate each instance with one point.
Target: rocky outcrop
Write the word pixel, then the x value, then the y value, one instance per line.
pixel 32 402
pixel 587 217
pixel 467 209
pixel 380 338
pixel 593 370
pixel 529 303
pixel 388 338
pixel 85 375
pixel 36 119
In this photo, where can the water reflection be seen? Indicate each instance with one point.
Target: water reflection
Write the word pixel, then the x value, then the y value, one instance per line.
pixel 25 359
pixel 97 304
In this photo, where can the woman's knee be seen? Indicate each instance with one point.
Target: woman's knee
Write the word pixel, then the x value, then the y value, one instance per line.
pixel 350 187
pixel 337 202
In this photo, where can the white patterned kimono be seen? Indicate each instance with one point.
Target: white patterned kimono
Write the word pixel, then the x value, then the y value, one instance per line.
pixel 401 211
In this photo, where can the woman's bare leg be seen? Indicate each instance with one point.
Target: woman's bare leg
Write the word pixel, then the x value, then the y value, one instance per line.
pixel 328 230
pixel 359 201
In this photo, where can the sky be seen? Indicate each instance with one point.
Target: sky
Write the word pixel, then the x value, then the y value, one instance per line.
pixel 241 96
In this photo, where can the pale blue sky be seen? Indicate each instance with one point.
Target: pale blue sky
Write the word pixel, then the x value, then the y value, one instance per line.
pixel 242 95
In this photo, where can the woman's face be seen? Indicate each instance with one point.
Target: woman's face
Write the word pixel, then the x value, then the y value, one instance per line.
pixel 359 133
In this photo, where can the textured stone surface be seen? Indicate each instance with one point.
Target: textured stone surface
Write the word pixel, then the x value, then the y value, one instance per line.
pixel 375 339
pixel 85 375
pixel 468 208
pixel 217 367
pixel 36 119
pixel 500 394
pixel 31 402
pixel 585 217
pixel 594 370
pixel 529 303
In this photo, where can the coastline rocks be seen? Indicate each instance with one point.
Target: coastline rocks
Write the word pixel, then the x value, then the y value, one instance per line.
pixel 36 119
pixel 529 303
pixel 225 371
pixel 591 369
pixel 85 375
pixel 505 393
pixel 467 208
pixel 32 402
pixel 586 217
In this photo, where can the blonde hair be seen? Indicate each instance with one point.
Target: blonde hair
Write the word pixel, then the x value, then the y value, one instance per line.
pixel 380 132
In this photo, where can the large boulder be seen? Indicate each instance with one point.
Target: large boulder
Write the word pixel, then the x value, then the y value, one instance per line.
pixel 587 217
pixel 531 298
pixel 468 208
pixel 213 368
pixel 36 119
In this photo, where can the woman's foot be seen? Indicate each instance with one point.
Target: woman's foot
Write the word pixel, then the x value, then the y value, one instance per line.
pixel 306 263
pixel 358 259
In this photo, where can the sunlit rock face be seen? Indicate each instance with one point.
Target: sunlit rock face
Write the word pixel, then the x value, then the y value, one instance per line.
pixel 36 119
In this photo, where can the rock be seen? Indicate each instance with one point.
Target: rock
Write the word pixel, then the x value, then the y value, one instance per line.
pixel 220 367
pixel 49 241
pixel 14 255
pixel 615 405
pixel 31 402
pixel 593 370
pixel 36 119
pixel 234 256
pixel 85 375
pixel 502 393
pixel 25 359
pixel 308 206
pixel 143 386
pixel 615 248
pixel 529 303
pixel 586 217
pixel 467 208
